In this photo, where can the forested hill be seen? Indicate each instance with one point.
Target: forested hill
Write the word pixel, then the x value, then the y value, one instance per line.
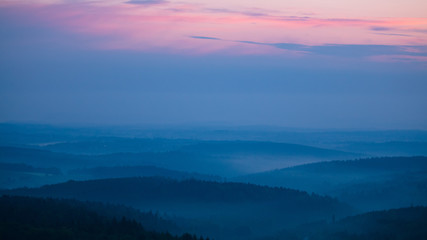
pixel 395 224
pixel 231 210
pixel 144 189
pixel 368 184
pixel 332 173
pixel 32 218
pixel 380 164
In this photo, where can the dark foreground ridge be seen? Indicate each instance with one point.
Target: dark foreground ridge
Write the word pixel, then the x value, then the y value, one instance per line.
pixel 34 218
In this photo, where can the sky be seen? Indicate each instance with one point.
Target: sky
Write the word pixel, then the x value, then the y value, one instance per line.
pixel 302 64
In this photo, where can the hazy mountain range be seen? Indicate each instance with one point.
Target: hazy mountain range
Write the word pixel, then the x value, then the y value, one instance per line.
pixel 222 185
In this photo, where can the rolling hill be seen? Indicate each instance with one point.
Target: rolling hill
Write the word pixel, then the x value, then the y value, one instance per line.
pixel 394 224
pixel 369 184
pixel 391 148
pixel 137 171
pixel 225 158
pixel 237 210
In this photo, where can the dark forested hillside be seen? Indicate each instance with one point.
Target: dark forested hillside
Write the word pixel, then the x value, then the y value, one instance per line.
pixel 156 188
pixel 31 218
pixel 395 224
pixel 150 220
pixel 235 208
pixel 373 183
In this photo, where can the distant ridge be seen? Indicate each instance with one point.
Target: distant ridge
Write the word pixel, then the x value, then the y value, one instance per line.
pixel 225 158
pixel 138 171
pixel 345 167
pixel 263 147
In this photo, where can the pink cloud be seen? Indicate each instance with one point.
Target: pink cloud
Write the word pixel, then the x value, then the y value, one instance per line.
pixel 165 26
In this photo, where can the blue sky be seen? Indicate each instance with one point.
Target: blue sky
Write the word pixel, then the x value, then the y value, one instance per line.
pixel 58 70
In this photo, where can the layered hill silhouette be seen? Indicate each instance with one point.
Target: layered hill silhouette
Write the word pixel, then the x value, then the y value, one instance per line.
pixel 390 148
pixel 226 158
pixel 129 183
pixel 137 171
pixel 369 184
pixel 237 210
pixel 46 159
pixel 13 175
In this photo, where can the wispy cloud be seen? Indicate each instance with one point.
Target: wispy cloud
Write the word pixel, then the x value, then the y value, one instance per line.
pixel 256 13
pixel 147 2
pixel 262 14
pixel 396 31
pixel 354 50
pixel 419 30
pixel 379 28
pixel 344 50
pixel 202 37
pixel 395 34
